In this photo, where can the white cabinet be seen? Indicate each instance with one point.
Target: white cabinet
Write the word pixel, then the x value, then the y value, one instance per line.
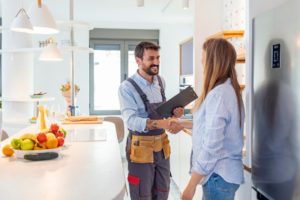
pixel 181 146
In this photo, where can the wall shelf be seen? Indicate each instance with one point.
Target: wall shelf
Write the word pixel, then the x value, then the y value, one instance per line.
pixel 37 49
pixel 43 99
pixel 228 34
pixel 75 24
pixel 240 59
pixel 242 86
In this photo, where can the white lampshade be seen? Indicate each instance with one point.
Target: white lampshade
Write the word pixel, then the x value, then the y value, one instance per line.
pixel 140 3
pixel 185 4
pixel 51 53
pixel 21 22
pixel 42 19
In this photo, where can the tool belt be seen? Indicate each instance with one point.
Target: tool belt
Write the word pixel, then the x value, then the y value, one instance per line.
pixel 143 147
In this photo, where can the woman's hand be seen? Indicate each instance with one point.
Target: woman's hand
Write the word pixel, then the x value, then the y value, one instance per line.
pixel 174 125
pixel 188 192
pixel 190 189
pixel 178 112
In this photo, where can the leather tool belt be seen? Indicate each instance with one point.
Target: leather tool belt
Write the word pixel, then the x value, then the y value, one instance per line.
pixel 143 147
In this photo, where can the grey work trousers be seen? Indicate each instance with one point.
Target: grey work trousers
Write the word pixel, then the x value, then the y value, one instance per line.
pixel 149 181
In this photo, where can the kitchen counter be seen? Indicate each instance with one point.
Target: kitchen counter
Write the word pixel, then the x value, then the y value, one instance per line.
pixel 89 167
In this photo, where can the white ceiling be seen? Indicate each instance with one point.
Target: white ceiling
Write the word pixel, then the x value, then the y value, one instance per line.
pixel 120 12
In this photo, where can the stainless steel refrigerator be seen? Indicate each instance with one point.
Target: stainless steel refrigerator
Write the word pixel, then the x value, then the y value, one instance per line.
pixel 276 102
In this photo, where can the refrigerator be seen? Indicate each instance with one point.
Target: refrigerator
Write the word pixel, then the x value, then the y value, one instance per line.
pixel 276 101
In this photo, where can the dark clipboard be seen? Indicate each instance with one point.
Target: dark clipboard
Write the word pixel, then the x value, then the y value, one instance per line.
pixel 182 99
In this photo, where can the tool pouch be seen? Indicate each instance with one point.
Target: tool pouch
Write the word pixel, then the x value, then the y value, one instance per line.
pixel 141 151
pixel 166 147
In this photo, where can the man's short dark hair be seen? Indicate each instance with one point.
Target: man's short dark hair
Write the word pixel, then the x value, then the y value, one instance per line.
pixel 142 46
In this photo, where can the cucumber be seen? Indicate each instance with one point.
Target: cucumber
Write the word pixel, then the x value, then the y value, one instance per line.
pixel 41 156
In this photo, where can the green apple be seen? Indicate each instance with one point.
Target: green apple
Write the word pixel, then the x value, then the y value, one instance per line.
pixel 16 143
pixel 27 144
pixel 63 131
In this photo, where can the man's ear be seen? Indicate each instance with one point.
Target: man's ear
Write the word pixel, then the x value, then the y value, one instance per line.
pixel 138 60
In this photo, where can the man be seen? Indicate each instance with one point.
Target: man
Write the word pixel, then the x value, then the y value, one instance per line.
pixel 148 148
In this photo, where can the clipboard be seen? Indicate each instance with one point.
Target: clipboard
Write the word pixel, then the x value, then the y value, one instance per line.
pixel 182 99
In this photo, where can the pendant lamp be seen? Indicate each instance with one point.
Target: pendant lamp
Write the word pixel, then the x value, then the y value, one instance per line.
pixel 42 19
pixel 21 22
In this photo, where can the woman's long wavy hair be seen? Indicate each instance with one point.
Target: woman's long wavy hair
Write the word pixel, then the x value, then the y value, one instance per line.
pixel 220 59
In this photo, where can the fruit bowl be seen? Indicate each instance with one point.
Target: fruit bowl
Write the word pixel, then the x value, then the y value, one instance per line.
pixel 21 153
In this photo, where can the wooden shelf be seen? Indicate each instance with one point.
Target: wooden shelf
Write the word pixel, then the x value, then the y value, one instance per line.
pixel 242 86
pixel 240 59
pixel 228 34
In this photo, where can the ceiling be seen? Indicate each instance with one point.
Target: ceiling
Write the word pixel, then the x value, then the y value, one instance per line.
pixel 120 12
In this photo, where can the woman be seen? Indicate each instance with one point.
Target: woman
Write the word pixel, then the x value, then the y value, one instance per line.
pixel 218 116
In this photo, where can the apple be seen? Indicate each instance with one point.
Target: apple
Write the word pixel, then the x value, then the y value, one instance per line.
pixel 59 134
pixel 54 127
pixel 41 137
pixel 16 143
pixel 63 131
pixel 60 141
pixel 27 144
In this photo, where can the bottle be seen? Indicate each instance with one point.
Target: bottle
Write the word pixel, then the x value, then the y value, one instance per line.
pixel 42 118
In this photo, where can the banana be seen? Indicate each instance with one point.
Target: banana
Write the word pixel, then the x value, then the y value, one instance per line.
pixel 31 136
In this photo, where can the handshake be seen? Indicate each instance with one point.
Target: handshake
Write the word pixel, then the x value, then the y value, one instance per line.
pixel 174 125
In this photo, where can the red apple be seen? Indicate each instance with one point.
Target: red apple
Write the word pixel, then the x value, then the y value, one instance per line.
pixel 54 127
pixel 41 137
pixel 61 141
pixel 59 134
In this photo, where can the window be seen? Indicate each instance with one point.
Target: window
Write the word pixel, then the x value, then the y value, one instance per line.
pixel 112 62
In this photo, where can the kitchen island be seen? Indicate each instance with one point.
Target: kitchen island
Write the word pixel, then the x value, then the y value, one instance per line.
pixel 89 167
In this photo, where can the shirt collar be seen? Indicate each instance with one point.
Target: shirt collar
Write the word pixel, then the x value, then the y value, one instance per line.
pixel 137 77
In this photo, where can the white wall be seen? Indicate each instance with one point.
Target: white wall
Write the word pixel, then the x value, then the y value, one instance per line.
pixel 171 35
pixel 260 6
pixel 207 20
pixel 48 76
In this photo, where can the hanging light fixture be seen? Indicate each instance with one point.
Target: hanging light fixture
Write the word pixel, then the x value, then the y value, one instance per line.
pixel 42 19
pixel 185 4
pixel 21 22
pixel 51 52
pixel 140 3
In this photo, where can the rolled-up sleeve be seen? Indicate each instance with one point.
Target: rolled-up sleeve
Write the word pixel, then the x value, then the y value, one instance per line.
pixel 129 110
pixel 216 118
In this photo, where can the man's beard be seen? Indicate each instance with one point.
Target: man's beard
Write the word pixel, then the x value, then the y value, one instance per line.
pixel 150 72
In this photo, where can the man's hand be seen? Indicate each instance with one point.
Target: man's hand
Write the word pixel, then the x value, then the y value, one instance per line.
pixel 178 112
pixel 174 126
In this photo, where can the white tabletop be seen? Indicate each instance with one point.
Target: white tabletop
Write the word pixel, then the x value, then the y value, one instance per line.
pixel 85 170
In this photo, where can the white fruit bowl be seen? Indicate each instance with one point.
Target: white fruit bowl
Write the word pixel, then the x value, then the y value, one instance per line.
pixel 21 153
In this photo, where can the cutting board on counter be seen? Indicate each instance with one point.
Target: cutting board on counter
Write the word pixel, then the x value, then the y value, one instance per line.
pixel 98 121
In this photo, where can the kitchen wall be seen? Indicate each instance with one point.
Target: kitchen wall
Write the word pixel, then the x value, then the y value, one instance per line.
pixel 170 36
pixel 48 76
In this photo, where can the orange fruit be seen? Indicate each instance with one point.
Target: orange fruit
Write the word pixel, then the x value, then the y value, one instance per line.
pixel 7 150
pixel 52 143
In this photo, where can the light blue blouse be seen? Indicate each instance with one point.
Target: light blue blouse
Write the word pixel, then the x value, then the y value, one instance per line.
pixel 218 137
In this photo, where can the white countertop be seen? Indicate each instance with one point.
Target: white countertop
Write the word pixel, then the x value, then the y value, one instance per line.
pixel 84 171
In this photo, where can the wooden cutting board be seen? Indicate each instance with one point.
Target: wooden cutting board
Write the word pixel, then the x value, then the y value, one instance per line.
pixel 99 121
